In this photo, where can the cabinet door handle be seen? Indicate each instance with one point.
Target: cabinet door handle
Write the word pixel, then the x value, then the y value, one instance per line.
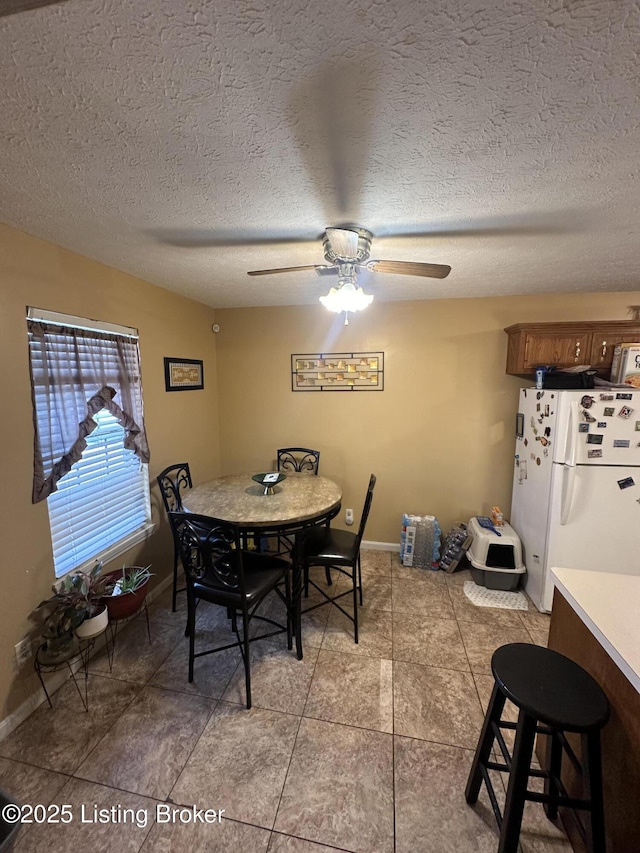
pixel 577 353
pixel 604 349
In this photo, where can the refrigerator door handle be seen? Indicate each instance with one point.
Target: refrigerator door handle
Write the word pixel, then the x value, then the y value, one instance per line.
pixel 568 485
pixel 572 435
pixel 569 467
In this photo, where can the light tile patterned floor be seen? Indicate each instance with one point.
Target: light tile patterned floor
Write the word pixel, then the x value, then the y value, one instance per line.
pixel 360 748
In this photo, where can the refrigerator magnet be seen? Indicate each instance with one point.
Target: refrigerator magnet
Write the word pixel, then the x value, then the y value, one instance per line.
pixel 625 412
pixel 605 397
pixel 626 483
pixel 602 424
pixel 587 417
pixel 624 397
pixel 637 426
pixel 609 412
pixel 583 427
pixel 594 454
pixel 587 401
pixel 593 438
pixel 621 442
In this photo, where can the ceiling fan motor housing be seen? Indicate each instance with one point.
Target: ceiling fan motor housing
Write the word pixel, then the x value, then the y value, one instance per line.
pixel 344 245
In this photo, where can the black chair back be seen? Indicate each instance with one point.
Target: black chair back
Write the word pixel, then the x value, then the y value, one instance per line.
pixel 173 481
pixel 210 551
pixel 365 510
pixel 298 459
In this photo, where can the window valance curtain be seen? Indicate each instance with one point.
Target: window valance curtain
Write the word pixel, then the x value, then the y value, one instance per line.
pixel 74 374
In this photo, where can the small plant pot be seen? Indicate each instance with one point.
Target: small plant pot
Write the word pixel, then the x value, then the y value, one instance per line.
pixel 127 603
pixel 93 626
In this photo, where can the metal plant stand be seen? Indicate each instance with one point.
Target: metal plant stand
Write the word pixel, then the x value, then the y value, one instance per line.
pixel 112 628
pixel 79 650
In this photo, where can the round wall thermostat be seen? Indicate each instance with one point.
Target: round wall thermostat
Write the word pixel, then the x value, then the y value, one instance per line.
pixel 215 328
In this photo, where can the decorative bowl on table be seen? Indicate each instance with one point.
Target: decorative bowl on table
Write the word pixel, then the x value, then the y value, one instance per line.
pixel 269 480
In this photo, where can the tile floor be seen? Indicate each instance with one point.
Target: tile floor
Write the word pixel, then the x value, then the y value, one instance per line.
pixel 357 748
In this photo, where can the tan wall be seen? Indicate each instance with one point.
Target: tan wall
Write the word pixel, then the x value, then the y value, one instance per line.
pixel 439 437
pixel 181 426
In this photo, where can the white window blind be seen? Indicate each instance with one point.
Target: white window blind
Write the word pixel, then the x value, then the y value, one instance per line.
pixel 103 498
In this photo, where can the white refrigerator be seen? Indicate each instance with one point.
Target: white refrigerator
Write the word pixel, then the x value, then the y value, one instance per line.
pixel 576 485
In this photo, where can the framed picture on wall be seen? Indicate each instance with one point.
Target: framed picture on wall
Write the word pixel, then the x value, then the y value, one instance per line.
pixel 183 374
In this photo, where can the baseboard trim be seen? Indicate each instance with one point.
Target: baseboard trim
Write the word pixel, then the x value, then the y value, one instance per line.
pixel 56 679
pixel 380 546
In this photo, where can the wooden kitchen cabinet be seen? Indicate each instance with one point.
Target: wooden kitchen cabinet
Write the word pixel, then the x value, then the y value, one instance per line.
pixel 567 344
pixel 603 343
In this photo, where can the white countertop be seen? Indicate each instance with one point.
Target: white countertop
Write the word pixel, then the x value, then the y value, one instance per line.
pixel 609 605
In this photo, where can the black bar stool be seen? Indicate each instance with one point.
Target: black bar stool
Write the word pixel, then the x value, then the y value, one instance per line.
pixel 554 695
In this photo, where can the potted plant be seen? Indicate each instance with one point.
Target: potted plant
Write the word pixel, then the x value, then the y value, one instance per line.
pixel 124 591
pixel 74 607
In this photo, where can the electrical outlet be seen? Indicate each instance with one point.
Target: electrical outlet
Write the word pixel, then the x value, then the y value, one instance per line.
pixel 23 651
pixel 348 516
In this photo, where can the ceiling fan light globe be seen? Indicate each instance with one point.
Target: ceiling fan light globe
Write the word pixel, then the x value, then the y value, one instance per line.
pixel 332 301
pixel 346 298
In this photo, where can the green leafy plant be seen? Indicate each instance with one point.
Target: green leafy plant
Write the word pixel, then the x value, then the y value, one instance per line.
pixel 75 598
pixel 131 579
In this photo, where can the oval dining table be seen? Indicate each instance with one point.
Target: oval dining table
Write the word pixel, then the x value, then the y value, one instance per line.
pixel 296 503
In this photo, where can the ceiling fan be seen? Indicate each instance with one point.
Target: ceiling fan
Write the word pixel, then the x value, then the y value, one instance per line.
pixel 348 250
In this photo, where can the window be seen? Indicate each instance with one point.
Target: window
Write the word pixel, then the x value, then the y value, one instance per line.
pixel 90 444
pixel 101 501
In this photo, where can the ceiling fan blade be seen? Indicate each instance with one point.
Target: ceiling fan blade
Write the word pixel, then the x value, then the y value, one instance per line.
pixel 12 7
pixel 531 223
pixel 410 268
pixel 333 113
pixel 315 267
pixel 207 238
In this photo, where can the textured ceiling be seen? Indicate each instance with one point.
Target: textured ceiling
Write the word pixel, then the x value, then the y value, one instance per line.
pixel 189 142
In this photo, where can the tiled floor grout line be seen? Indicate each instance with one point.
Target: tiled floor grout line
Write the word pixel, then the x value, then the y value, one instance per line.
pixel 286 775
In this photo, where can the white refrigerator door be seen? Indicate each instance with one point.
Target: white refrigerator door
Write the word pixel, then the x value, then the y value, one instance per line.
pixel 597 427
pixel 532 484
pixel 600 529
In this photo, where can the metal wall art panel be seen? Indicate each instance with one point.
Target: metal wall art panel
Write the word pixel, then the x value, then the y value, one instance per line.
pixel 337 371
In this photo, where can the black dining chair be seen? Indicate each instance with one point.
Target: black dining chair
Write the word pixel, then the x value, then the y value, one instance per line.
pixel 219 571
pixel 173 482
pixel 298 459
pixel 339 550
